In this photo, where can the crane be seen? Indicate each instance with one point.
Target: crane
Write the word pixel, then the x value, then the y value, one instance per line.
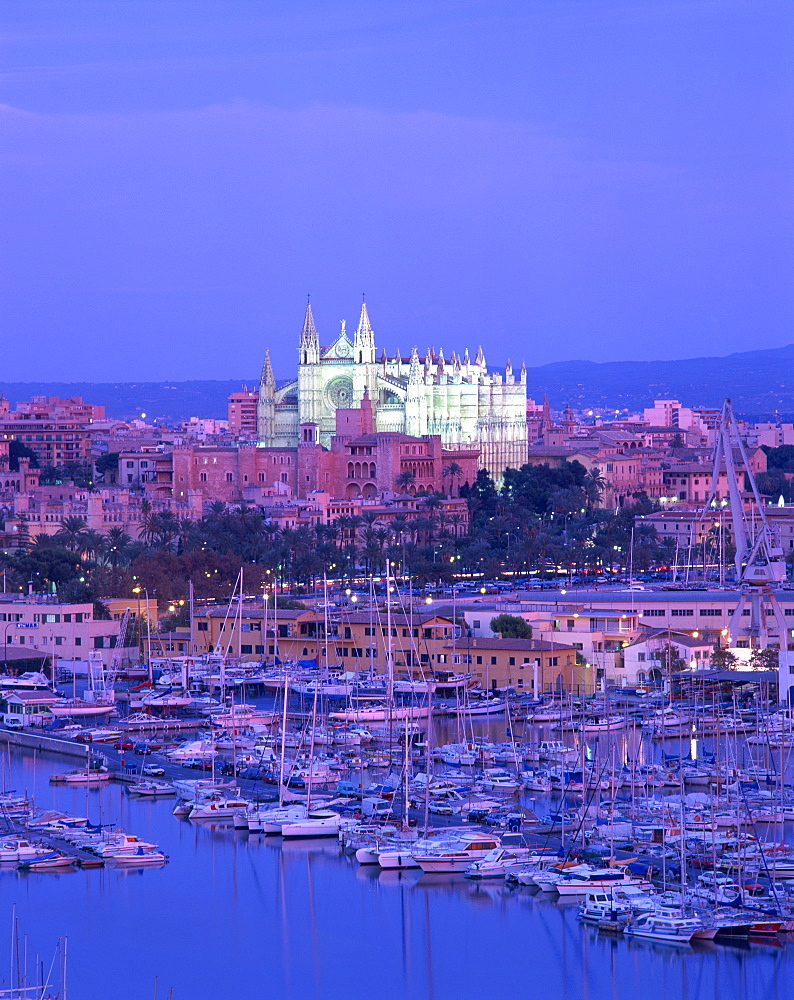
pixel 759 562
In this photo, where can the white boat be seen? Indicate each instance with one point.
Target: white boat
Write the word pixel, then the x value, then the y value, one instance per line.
pixel 419 686
pixel 151 789
pixel 73 708
pixel 663 925
pixel 669 720
pixel 54 861
pixel 381 713
pixel 120 845
pixel 243 715
pixel 498 862
pixel 139 859
pixel 603 723
pixel 555 750
pixel 714 887
pixel 582 879
pixel 601 906
pixel 153 700
pixel 455 857
pixel 83 776
pixel 223 808
pixel 21 850
pixel 193 750
pixel 270 821
pixel 313 826
pixel 486 706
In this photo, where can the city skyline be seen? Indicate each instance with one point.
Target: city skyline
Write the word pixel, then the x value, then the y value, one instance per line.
pixel 571 179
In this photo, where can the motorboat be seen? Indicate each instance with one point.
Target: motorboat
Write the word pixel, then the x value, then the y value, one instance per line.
pixel 54 861
pixel 151 789
pixel 86 776
pixel 715 887
pixel 21 850
pixel 139 859
pixel 555 750
pixel 119 845
pixel 498 862
pixel 603 723
pixel 580 880
pixel 663 925
pixel 217 808
pixel 454 857
pixel 381 713
pixel 603 906
pixel 484 706
pixel 74 708
pixel 193 750
pixel 319 824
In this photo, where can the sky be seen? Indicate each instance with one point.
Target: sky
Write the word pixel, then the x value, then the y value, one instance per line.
pixel 552 179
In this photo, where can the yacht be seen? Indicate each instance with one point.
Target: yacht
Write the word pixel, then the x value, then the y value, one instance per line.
pixel 217 808
pixel 320 823
pixel 579 881
pixel 499 862
pixel 455 856
pixel 663 925
pixel 21 850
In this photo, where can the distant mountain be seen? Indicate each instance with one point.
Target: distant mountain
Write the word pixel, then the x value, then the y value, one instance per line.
pixel 760 383
pixel 172 401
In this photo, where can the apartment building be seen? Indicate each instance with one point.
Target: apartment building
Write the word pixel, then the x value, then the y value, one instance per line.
pixel 58 430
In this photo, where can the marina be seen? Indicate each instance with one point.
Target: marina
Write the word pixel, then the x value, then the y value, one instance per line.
pixel 224 874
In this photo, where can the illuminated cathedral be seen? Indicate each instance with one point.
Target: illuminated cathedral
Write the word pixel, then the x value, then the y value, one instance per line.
pixel 456 398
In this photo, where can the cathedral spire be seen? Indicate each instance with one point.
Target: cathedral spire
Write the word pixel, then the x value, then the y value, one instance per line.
pixel 309 342
pixel 480 359
pixel 267 379
pixel 509 372
pixel 364 340
pixel 415 371
pixel 523 373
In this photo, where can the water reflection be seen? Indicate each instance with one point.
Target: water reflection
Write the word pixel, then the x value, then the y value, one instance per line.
pixel 241 915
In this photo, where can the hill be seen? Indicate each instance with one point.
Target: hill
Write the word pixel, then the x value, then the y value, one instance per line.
pixel 758 382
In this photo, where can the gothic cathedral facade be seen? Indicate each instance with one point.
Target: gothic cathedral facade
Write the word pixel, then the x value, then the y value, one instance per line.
pixel 457 399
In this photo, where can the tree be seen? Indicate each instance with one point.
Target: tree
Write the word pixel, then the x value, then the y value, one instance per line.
pixel 453 471
pixel 764 659
pixel 594 486
pixel 71 532
pixel 17 450
pixel 405 479
pixel 107 463
pixel 511 627
pixel 723 659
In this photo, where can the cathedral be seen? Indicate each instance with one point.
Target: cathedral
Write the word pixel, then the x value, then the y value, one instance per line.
pixel 456 398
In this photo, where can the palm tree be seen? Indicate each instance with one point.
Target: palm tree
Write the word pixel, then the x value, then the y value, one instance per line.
pixel 594 485
pixel 91 543
pixel 452 472
pixel 117 546
pixel 405 479
pixel 71 532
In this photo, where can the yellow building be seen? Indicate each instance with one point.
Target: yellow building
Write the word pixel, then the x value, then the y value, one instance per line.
pixel 417 641
pixel 525 664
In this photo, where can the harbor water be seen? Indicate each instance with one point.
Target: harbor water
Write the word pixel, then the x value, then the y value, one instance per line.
pixel 239 915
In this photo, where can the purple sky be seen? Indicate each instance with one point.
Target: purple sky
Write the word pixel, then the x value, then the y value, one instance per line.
pixel 552 179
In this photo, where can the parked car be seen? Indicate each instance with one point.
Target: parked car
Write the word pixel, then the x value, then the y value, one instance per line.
pixel 153 770
pixel 141 748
